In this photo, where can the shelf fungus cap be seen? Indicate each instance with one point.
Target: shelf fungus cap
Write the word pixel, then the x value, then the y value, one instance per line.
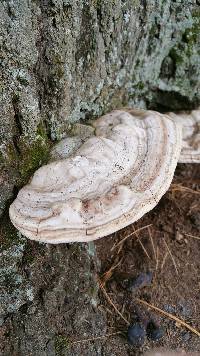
pixel 69 145
pixel 190 121
pixel 112 180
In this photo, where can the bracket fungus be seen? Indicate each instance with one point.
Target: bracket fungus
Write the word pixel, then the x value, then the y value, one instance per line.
pixel 69 145
pixel 190 121
pixel 112 180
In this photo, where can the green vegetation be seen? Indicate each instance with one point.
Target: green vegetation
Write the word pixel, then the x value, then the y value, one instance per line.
pixel 8 233
pixel 25 156
pixel 61 344
pixel 190 37
pixel 32 156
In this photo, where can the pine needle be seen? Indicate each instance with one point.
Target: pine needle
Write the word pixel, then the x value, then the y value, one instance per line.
pixel 108 274
pixel 151 238
pixel 95 338
pixel 169 315
pixel 131 234
pixel 173 260
pixel 144 249
pixel 189 235
pixel 157 257
pixel 111 302
pixel 181 188
pixel 164 260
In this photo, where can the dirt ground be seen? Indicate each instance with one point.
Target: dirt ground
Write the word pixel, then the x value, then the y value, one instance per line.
pixel 170 249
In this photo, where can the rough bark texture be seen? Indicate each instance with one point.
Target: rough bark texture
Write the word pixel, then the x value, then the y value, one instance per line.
pixel 64 61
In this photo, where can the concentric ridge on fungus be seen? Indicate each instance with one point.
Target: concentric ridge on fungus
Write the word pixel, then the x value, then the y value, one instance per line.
pixel 111 181
pixel 190 121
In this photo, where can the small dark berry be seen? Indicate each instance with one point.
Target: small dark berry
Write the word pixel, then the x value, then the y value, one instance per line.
pixel 144 279
pixel 136 334
pixel 154 332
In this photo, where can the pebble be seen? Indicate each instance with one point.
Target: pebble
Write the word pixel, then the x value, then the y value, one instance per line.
pixel 179 237
pixel 186 337
pixel 154 331
pixel 142 280
pixel 136 334
pixel 195 218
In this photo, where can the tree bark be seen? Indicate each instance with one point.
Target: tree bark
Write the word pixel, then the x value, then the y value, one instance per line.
pixel 64 61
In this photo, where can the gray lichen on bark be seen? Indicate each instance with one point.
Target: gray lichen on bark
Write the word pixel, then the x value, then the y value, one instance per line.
pixel 63 61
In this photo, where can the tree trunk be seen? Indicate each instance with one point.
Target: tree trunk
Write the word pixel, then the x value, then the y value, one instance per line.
pixel 64 61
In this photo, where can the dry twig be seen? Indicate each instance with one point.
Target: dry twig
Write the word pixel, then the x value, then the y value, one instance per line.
pixel 144 249
pixel 173 260
pixel 164 260
pixel 111 302
pixel 180 188
pixel 95 338
pixel 151 238
pixel 189 235
pixel 131 234
pixel 141 244
pixel 157 257
pixel 169 315
pixel 108 274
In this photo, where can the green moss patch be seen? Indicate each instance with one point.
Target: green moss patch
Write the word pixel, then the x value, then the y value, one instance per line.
pixel 61 344
pixel 24 156
pixel 32 156
pixel 8 233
